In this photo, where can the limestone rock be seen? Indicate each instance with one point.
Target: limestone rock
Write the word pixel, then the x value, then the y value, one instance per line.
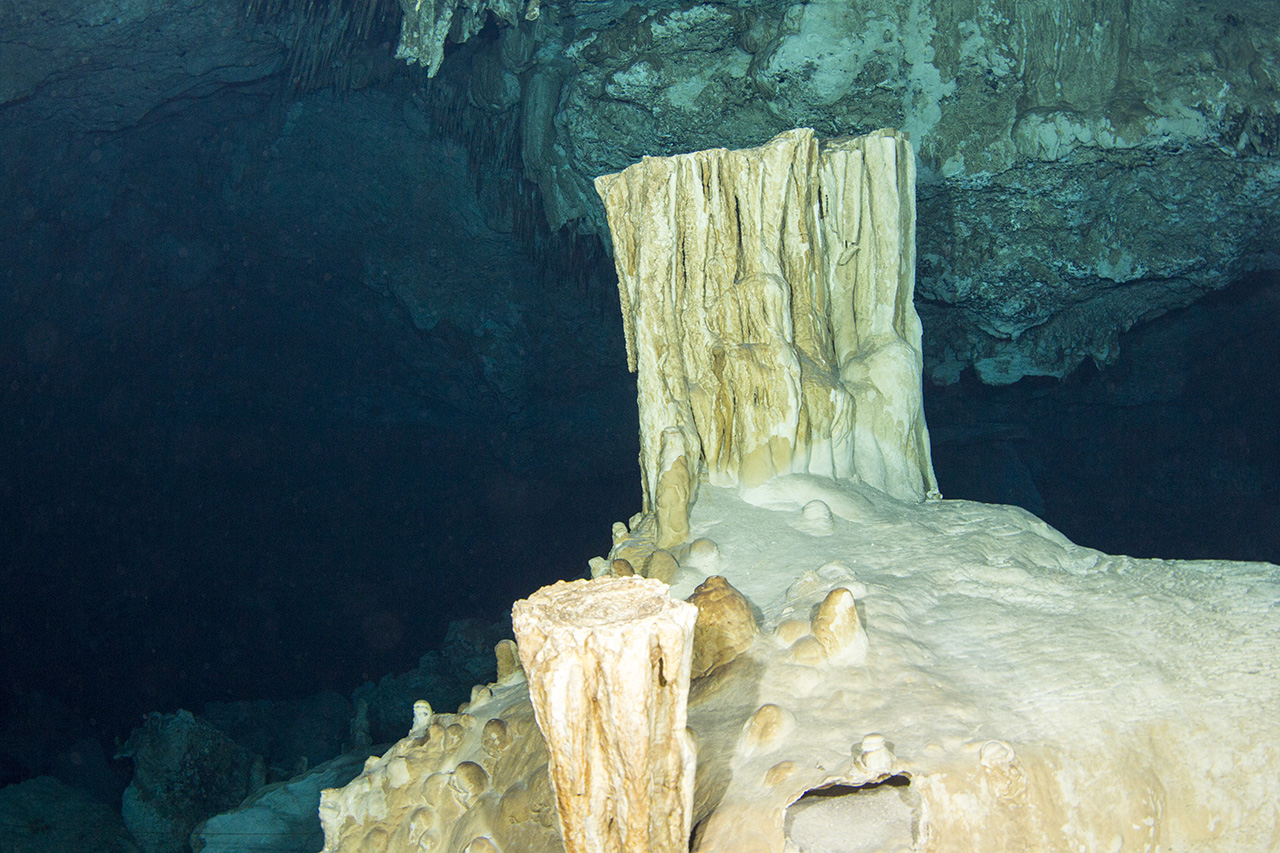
pixel 789 299
pixel 661 566
pixel 600 567
pixel 952 676
pixel 105 66
pixel 1013 592
pixel 280 817
pixel 428 23
pixel 508 659
pixel 456 780
pixel 701 555
pixel 1003 669
pixel 608 665
pixel 837 627
pixel 1084 166
pixel 184 772
pixel 815 519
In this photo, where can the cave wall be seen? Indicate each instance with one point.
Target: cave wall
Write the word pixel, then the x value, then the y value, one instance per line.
pixel 1167 452
pixel 279 366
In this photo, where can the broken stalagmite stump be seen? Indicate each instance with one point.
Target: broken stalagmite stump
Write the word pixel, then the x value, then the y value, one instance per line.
pixel 608 668
pixel 766 298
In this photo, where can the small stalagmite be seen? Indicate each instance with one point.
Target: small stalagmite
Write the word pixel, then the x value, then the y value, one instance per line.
pixel 726 626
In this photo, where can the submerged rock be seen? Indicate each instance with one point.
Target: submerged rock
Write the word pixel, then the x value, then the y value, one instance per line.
pixel 1083 167
pixel 185 772
pixel 280 817
pixel 42 815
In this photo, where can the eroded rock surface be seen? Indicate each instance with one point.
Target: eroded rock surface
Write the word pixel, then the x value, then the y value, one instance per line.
pixel 1084 166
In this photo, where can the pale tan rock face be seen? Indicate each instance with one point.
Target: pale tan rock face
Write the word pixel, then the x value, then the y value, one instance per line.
pixel 767 302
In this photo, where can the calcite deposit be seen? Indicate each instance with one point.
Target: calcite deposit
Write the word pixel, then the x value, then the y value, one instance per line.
pixel 608 663
pixel 876 671
pixel 1085 166
pixel 767 302
pixel 1015 692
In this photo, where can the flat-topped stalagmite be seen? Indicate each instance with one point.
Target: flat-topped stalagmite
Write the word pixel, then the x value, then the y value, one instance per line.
pixel 766 297
pixel 608 668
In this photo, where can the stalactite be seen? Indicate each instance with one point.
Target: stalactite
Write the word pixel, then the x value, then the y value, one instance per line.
pixel 575 261
pixel 323 37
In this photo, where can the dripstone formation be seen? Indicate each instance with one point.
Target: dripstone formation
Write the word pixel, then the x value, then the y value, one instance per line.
pixel 767 300
pixel 875 666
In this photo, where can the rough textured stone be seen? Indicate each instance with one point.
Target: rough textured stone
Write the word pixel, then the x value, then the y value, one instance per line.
pixel 837 627
pixel 185 771
pixel 279 818
pixel 102 66
pixel 456 778
pixel 428 23
pixel 1084 166
pixel 726 626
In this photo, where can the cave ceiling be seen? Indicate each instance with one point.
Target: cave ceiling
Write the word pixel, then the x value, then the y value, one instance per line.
pixel 1084 166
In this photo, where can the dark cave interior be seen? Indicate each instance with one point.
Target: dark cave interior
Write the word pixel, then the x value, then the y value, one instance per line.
pixel 236 467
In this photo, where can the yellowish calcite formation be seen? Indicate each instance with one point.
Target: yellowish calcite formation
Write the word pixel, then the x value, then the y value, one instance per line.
pixel 1021 692
pixel 473 781
pixel 972 679
pixel 608 668
pixel 869 670
pixel 766 297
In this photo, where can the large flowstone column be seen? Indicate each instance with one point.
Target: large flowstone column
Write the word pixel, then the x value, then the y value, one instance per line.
pixel 608 667
pixel 767 302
